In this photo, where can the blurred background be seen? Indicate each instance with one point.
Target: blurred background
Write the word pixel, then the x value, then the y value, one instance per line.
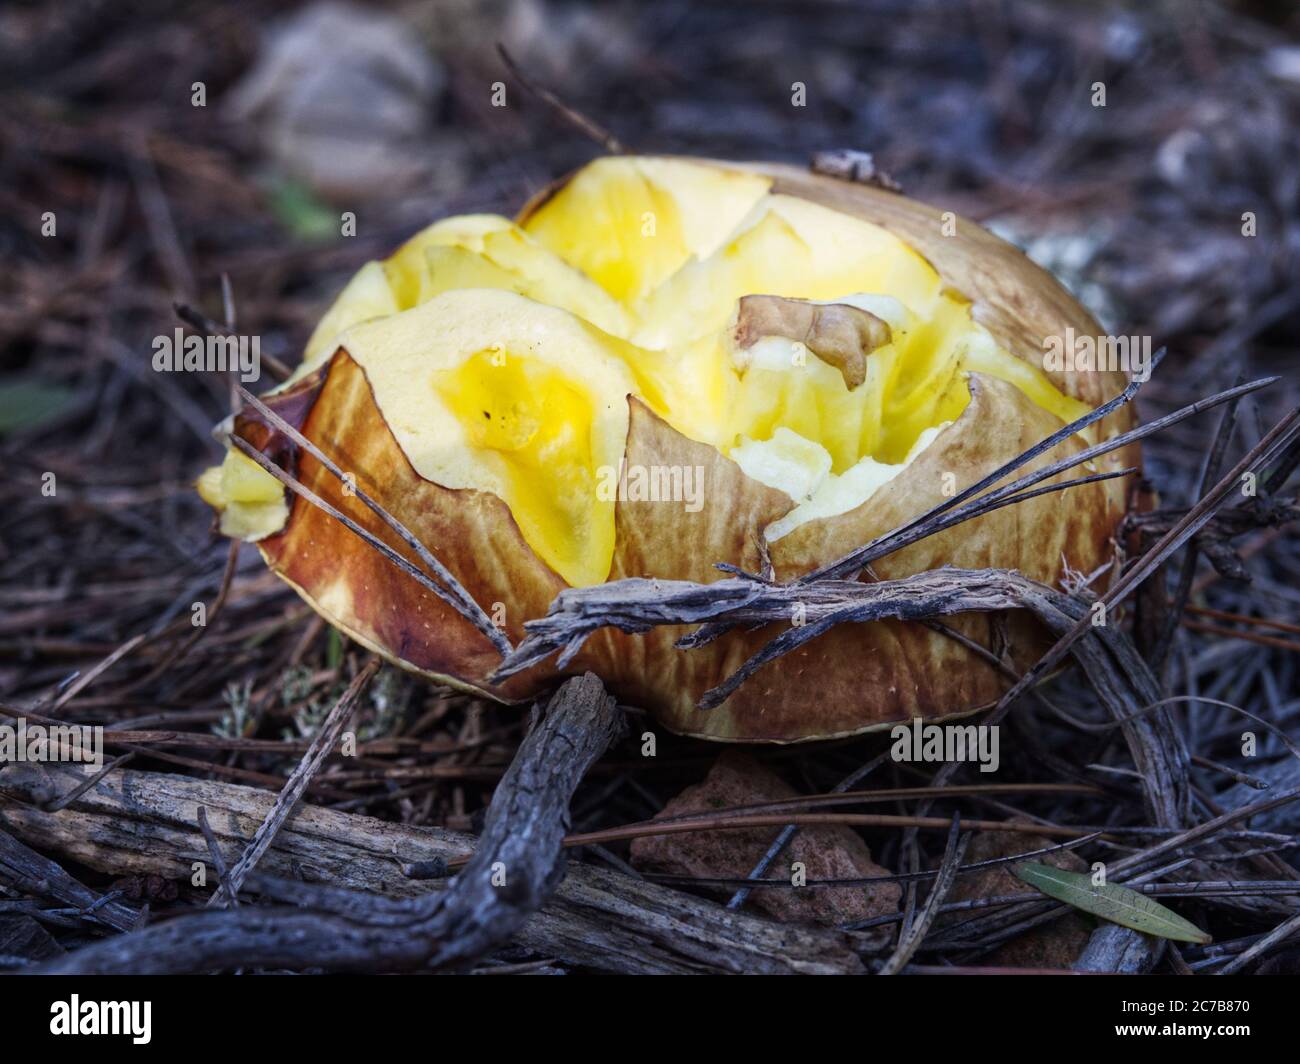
pixel 176 142
pixel 149 150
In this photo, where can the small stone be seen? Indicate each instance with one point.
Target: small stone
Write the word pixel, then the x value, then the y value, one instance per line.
pixel 826 851
pixel 342 98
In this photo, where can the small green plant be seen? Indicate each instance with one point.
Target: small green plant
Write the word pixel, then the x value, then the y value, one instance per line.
pixel 235 720
pixel 377 717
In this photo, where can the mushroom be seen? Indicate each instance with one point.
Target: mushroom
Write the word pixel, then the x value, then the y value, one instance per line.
pixel 482 383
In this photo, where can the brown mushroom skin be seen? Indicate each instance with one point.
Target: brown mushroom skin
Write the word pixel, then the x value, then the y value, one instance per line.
pixel 854 678
pixel 840 335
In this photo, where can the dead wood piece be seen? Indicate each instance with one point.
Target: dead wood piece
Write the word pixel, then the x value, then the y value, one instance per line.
pixel 27 871
pixel 516 866
pixel 1215 540
pixel 1117 950
pixel 23 940
pixel 856 166
pixel 1107 657
pixel 1105 654
pixel 146 822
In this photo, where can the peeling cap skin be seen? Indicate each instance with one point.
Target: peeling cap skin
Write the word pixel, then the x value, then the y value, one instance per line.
pixel 840 335
pixel 515 481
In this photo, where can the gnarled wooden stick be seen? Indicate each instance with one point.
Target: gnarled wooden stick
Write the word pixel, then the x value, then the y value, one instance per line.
pixel 1111 664
pixel 28 871
pixel 601 920
pixel 516 867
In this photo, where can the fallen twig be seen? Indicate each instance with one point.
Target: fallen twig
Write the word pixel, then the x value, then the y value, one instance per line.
pixel 916 931
pixel 294 787
pixel 27 871
pixel 586 126
pixel 144 822
pixel 515 868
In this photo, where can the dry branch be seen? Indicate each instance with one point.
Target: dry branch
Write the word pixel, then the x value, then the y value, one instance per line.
pixel 588 127
pixel 1106 655
pixel 146 822
pixel 515 868
pixel 24 870
pixel 295 786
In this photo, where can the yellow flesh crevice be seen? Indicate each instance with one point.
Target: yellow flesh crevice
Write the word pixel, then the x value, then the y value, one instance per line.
pixel 502 356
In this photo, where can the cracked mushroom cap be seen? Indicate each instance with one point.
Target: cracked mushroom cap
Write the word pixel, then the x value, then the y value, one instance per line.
pixel 661 365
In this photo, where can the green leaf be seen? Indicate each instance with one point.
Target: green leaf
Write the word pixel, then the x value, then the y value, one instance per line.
pixel 25 403
pixel 297 207
pixel 1119 905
